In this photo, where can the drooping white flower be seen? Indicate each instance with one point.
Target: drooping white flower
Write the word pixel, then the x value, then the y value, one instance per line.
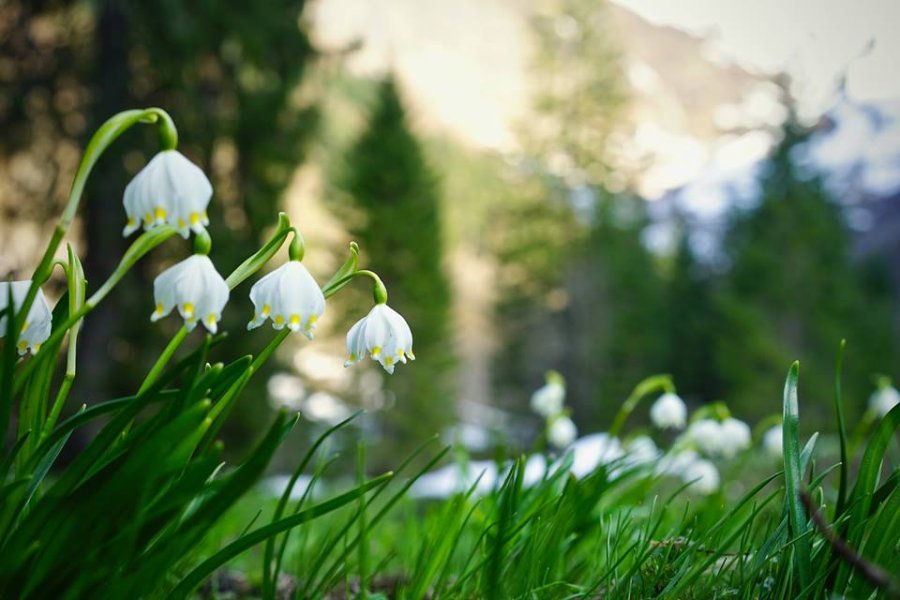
pixel 703 475
pixel 290 297
pixel 39 321
pixel 548 399
pixel 707 435
pixel 884 399
pixel 641 450
pixel 382 334
pixel 593 450
pixel 562 431
pixel 677 463
pixel 773 441
pixel 734 437
pixel 169 189
pixel 669 411
pixel 195 288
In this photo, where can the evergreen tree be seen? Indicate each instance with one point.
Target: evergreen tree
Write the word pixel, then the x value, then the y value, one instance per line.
pixel 690 323
pixel 579 103
pixel 396 219
pixel 792 292
pixel 620 316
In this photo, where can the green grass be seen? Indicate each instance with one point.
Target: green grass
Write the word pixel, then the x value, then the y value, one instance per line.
pixel 612 534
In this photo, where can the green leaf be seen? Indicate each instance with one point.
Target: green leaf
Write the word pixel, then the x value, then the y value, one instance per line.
pixel 270 574
pixel 199 573
pixel 842 432
pixel 793 476
pixel 866 481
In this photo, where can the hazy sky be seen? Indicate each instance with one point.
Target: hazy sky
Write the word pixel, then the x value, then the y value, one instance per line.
pixel 814 40
pixel 465 64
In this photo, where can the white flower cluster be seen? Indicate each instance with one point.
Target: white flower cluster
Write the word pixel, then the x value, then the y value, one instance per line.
pixel 691 468
pixel 726 438
pixel 172 190
pixel 549 402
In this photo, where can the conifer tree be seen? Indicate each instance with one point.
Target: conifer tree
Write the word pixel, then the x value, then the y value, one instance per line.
pixel 690 324
pixel 792 291
pixel 395 197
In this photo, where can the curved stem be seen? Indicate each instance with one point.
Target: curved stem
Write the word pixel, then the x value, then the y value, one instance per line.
pixel 102 139
pixel 241 273
pixel 139 248
pixel 262 256
pixel 647 386
pixel 379 291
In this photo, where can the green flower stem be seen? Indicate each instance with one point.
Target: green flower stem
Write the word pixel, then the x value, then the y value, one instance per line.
pixel 223 407
pixel 103 138
pixel 138 249
pixel 654 383
pixel 263 255
pixel 76 288
pixel 241 273
pixel 349 266
pixel 379 291
pixel 163 359
pixel 717 411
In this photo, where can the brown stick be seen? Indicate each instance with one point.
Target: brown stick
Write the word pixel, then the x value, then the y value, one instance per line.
pixel 870 571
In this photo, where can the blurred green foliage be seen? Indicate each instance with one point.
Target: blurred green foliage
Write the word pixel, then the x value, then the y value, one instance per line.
pixel 792 291
pixel 236 93
pixel 391 200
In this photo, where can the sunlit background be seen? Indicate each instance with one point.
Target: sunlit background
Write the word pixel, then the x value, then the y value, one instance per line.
pixel 705 188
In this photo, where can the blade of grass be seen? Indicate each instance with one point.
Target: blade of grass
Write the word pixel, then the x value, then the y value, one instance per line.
pixel 793 476
pixel 379 515
pixel 842 432
pixel 206 568
pixel 269 576
pixel 867 479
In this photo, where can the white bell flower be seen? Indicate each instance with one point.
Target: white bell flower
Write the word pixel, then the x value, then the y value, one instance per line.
pixel 734 437
pixel 169 189
pixel 290 297
pixel 642 450
pixel 773 441
pixel 39 321
pixel 669 411
pixel 884 399
pixel 562 431
pixel 702 476
pixel 707 435
pixel 677 463
pixel 195 288
pixel 382 334
pixel 548 399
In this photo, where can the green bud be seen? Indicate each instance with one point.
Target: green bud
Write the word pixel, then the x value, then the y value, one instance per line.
pixel 202 243
pixel 297 248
